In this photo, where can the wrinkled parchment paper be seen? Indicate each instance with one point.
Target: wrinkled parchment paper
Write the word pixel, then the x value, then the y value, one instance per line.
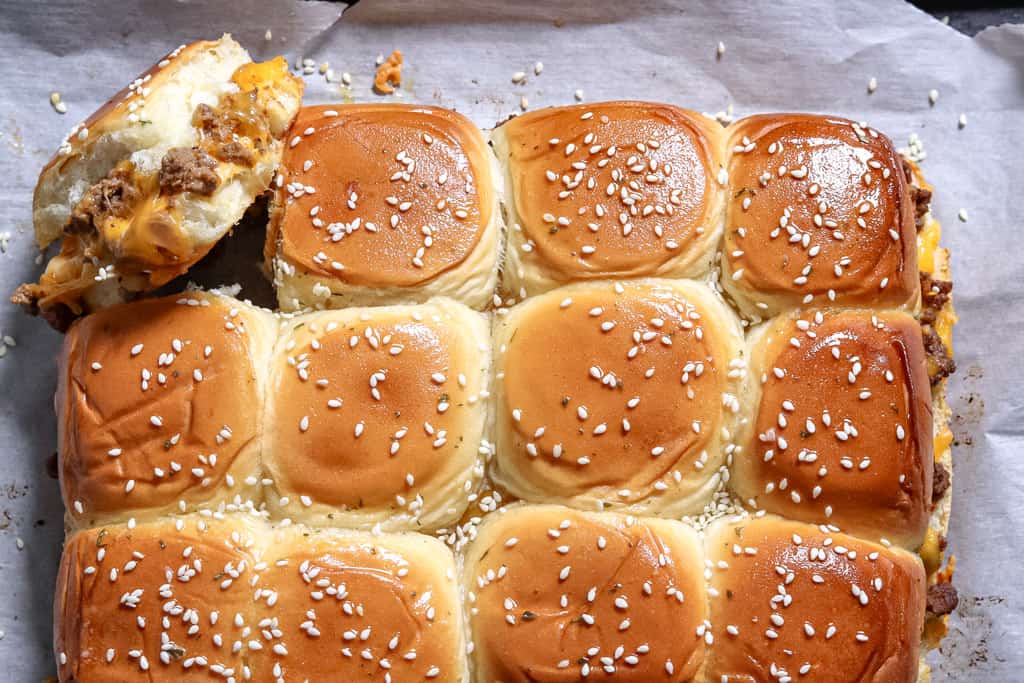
pixel 784 55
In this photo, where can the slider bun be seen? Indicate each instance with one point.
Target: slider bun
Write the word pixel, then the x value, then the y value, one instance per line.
pixel 822 193
pixel 145 186
pixel 158 406
pixel 230 598
pixel 159 602
pixel 789 599
pixel 556 594
pixel 377 415
pixel 612 189
pixel 352 606
pixel 616 394
pixel 404 207
pixel 844 435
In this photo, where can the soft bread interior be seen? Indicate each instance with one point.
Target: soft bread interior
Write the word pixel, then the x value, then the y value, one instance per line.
pixel 223 115
pixel 201 77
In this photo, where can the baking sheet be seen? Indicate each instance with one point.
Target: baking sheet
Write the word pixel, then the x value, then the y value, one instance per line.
pixel 786 55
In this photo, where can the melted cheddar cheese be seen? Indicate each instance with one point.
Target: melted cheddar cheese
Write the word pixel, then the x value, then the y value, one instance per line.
pixel 942 441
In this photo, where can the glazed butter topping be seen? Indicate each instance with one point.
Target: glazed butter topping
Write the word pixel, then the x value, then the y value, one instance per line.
pixel 818 208
pixel 792 601
pixel 379 608
pixel 556 595
pixel 144 410
pixel 370 411
pixel 231 599
pixel 613 188
pixel 615 391
pixel 139 605
pixel 382 195
pixel 844 423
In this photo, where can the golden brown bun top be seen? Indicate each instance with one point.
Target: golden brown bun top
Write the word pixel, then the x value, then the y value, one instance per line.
pixel 817 605
pixel 126 599
pixel 615 188
pixel 370 403
pixel 350 608
pixel 400 193
pixel 156 400
pixel 613 392
pixel 206 599
pixel 560 593
pixel 845 434
pixel 811 196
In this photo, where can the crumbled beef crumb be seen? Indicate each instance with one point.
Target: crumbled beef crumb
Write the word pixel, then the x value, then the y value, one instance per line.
pixel 188 169
pixel 216 127
pixel 940 481
pixel 220 131
pixel 112 196
pixel 58 315
pixel 942 598
pixel 934 295
pixel 940 364
pixel 922 198
pixel 235 152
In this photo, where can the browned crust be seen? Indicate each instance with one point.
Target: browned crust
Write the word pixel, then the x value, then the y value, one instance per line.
pixel 771 268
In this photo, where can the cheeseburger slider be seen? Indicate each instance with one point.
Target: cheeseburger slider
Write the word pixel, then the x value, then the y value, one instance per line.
pixel 384 204
pixel 145 187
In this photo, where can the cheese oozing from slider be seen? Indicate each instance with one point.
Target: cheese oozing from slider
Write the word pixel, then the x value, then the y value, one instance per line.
pixel 842 423
pixel 144 187
pixel 818 211
pixel 377 415
pixel 614 189
pixel 159 406
pixel 792 601
pixel 560 595
pixel 616 394
pixel 392 198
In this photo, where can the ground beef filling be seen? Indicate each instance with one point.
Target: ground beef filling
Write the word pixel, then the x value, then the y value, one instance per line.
pixel 112 196
pixel 188 169
pixel 222 133
pixel 934 295
pixel 920 196
pixel 940 481
pixel 942 598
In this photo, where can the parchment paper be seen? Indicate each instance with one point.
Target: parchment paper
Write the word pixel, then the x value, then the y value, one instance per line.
pixel 785 55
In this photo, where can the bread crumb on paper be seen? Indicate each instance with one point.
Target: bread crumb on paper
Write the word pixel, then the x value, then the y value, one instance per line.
pixel 389 74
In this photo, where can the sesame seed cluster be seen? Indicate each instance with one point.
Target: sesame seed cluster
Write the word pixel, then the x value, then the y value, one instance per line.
pixel 689 440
